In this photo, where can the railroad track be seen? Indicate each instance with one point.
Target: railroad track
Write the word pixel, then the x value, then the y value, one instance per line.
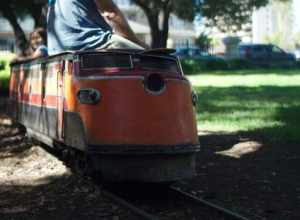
pixel 196 207
pixel 156 202
pixel 226 212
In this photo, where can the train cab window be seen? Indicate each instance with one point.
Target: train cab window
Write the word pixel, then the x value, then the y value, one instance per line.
pixel 114 62
pixel 163 64
pixel 98 61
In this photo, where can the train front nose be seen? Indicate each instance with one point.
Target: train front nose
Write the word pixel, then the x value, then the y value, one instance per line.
pixel 142 129
pixel 144 111
pixel 141 126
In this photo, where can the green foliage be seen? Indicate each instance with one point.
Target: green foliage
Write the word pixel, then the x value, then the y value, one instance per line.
pixel 237 64
pixel 194 66
pixel 22 7
pixel 2 64
pixel 214 64
pixel 4 74
pixel 204 42
pixel 225 14
pixel 229 15
pixel 185 9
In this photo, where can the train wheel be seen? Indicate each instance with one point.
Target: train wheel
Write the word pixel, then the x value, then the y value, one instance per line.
pixel 82 164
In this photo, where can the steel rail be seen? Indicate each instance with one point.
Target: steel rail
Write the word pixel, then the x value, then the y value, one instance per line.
pixel 228 212
pixel 128 205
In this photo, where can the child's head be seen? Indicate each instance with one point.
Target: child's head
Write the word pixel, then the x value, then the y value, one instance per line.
pixel 37 37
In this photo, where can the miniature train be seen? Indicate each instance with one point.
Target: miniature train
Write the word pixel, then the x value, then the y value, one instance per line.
pixel 131 113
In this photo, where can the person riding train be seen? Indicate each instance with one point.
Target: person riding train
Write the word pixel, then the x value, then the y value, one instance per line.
pixel 88 25
pixel 36 46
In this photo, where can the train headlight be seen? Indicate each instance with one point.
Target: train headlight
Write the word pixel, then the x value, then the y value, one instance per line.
pixel 88 96
pixel 155 84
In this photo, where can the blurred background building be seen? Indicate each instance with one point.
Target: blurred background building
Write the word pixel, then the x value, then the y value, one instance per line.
pixel 181 34
pixel 275 23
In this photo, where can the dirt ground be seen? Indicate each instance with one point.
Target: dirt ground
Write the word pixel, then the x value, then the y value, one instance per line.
pixel 34 184
pixel 243 172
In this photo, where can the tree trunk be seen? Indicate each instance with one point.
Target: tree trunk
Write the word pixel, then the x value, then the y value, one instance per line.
pixel 154 29
pixel 39 14
pixel 21 40
pixel 159 37
pixel 165 30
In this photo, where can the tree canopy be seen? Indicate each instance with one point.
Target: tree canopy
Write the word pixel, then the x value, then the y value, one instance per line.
pixel 229 15
pixel 13 10
pixel 224 14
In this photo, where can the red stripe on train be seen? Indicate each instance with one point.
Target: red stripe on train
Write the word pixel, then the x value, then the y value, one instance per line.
pixel 50 101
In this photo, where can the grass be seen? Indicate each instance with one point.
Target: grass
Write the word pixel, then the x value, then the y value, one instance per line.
pixel 4 73
pixel 263 102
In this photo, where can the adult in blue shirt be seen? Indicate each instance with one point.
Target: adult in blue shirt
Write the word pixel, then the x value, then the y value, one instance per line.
pixel 87 25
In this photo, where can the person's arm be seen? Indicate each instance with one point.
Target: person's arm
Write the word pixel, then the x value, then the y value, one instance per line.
pixel 117 20
pixel 41 51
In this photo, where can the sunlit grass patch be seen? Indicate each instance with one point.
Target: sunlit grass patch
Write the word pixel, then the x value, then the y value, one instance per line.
pixel 250 80
pixel 267 104
pixel 4 73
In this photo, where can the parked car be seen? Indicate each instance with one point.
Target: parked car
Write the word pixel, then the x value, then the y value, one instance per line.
pixel 182 53
pixel 266 55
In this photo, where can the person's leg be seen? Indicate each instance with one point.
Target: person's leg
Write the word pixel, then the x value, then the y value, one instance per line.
pixel 118 42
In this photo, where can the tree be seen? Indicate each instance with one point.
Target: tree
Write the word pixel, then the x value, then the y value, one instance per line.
pixel 204 42
pixel 227 15
pixel 158 13
pixel 8 12
pixel 13 10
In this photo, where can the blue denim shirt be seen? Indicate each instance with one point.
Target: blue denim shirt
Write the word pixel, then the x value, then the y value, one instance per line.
pixel 75 25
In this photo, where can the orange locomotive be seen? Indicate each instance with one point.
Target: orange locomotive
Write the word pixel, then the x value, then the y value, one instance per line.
pixel 130 112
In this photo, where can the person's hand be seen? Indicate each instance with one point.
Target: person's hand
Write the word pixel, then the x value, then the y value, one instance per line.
pixel 109 16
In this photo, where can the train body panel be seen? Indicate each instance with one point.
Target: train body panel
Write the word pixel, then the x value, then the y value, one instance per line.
pixel 134 123
pixel 33 98
pixel 138 117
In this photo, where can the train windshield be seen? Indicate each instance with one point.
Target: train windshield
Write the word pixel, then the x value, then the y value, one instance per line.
pixel 114 61
pixel 96 61
pixel 157 63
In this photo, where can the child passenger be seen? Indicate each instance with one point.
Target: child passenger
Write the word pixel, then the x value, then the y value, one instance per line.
pixel 38 42
pixel 37 45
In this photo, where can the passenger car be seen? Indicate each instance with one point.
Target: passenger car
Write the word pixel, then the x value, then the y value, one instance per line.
pixel 266 55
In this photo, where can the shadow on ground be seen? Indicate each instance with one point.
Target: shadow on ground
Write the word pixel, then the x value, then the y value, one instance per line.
pixel 35 184
pixel 263 182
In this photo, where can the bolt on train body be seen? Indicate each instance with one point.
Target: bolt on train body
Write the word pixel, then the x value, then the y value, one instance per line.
pixel 130 113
